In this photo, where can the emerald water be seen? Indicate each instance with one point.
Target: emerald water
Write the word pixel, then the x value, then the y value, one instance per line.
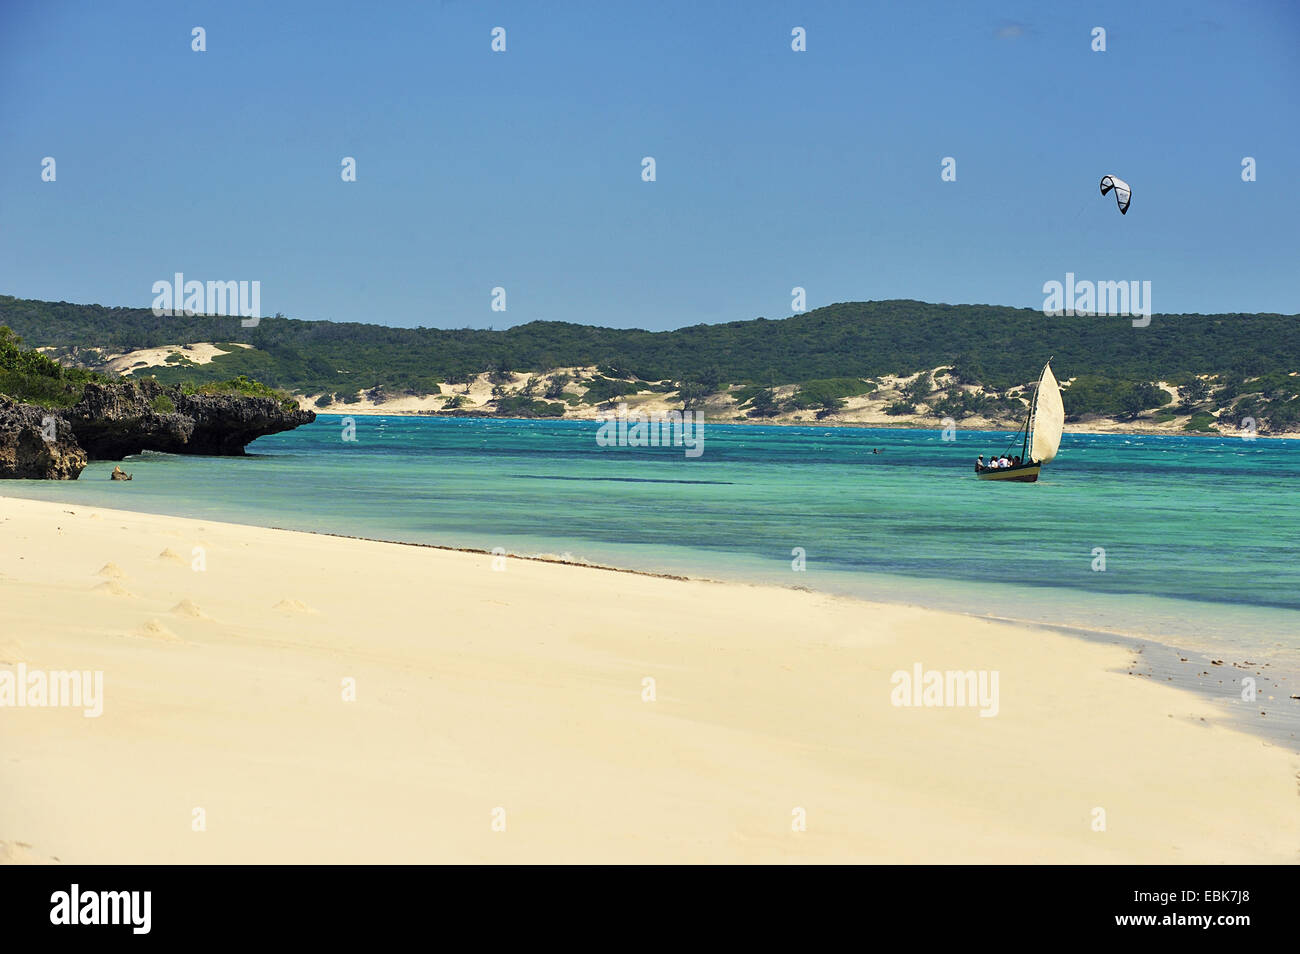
pixel 1198 532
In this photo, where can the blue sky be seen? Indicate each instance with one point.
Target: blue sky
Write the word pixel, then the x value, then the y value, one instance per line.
pixel 522 169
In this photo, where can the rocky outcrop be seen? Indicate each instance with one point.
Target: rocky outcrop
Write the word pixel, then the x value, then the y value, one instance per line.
pixel 112 421
pixel 37 443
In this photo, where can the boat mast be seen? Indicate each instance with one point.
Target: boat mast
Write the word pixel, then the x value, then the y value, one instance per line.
pixel 1033 406
pixel 1029 418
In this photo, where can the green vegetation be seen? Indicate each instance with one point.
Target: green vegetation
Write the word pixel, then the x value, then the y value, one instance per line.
pixel 692 394
pixel 959 404
pixel 527 407
pixel 744 394
pixel 1240 363
pixel 32 378
pixel 825 392
pixel 920 388
pixel 996 346
pixel 246 387
pixel 1094 394
pixel 601 389
pixel 763 404
pixel 1191 393
pixel 164 405
pixel 555 390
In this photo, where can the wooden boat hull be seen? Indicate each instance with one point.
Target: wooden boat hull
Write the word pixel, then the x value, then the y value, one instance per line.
pixel 1025 473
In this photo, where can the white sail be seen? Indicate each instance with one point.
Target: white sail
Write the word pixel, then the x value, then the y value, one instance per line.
pixel 1049 419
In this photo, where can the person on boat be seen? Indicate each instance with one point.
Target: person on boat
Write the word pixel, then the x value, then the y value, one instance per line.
pixel 1016 461
pixel 1003 462
pixel 979 463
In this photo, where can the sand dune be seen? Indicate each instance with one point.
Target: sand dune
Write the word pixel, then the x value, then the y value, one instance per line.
pixel 434 710
pixel 188 608
pixel 153 629
pixel 294 606
pixel 20 853
pixel 112 588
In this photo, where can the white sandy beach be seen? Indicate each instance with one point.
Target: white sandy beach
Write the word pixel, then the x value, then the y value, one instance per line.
pixel 522 690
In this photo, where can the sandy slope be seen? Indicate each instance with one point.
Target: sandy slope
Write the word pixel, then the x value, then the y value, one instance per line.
pixel 868 410
pixel 522 690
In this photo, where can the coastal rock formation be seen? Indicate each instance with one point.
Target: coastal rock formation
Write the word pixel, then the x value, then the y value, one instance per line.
pixel 114 420
pixel 37 443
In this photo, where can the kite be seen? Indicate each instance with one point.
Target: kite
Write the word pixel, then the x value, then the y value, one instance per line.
pixel 1122 192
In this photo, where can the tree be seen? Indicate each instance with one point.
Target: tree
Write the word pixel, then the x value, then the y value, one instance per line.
pixel 9 341
pixel 1139 398
pixel 764 404
pixel 830 406
pixel 711 378
pixel 1195 392
pixel 920 388
pixel 967 370
pixel 555 389
pixel 692 394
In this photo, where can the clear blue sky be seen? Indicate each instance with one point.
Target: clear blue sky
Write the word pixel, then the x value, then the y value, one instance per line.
pixel 523 169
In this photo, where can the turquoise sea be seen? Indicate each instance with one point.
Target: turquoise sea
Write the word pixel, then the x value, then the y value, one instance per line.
pixel 1199 533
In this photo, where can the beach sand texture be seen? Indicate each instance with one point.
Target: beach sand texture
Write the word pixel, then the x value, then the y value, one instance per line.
pixel 515 699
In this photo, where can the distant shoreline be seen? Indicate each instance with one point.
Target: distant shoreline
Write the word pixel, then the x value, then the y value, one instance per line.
pixel 1082 427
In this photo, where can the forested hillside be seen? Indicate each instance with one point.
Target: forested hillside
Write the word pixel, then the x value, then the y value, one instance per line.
pixel 1219 359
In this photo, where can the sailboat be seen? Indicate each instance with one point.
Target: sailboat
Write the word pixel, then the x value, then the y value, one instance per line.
pixel 1042 433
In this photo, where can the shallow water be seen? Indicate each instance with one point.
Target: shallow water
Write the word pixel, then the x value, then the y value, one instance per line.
pixel 1198 532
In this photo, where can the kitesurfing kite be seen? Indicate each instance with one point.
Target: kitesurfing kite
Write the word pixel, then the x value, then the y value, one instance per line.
pixel 1122 192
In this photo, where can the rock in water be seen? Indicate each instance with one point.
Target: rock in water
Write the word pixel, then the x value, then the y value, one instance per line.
pixel 112 421
pixel 119 474
pixel 36 443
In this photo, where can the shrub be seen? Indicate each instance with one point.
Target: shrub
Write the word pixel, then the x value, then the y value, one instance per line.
pixel 34 378
pixel 250 388
pixel 519 406
pixel 920 388
pixel 555 390
pixel 816 393
pixel 764 404
pixel 606 389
